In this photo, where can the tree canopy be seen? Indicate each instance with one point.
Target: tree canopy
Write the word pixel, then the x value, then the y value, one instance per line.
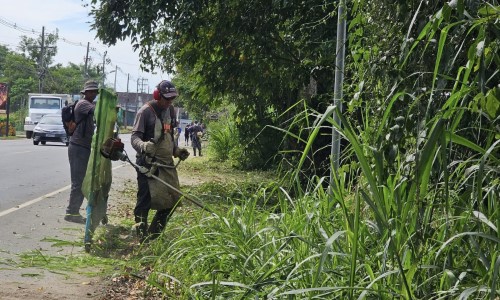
pixel 266 56
pixel 22 72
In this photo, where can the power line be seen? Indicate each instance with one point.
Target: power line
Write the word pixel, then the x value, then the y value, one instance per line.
pixel 15 26
pixel 19 28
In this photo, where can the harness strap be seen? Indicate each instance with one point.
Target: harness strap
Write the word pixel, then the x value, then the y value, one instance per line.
pixel 154 105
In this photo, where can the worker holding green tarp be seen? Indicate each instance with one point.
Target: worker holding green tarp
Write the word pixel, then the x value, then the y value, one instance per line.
pixel 98 177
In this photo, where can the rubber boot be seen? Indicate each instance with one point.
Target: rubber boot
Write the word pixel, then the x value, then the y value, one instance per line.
pixel 158 224
pixel 141 221
pixel 194 151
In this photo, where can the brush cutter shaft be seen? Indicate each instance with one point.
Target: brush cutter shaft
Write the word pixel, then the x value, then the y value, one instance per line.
pixel 199 204
pixel 147 172
pixel 166 166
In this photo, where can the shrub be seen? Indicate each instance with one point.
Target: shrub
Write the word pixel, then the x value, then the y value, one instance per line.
pixel 223 139
pixel 12 129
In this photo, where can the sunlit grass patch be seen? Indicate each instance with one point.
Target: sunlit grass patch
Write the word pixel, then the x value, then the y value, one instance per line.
pixel 55 242
pixel 66 264
pixel 114 241
pixel 76 229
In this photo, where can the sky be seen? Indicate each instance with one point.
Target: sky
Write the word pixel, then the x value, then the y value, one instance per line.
pixel 73 22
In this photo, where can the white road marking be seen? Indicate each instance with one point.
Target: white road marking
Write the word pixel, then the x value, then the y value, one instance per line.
pixel 26 204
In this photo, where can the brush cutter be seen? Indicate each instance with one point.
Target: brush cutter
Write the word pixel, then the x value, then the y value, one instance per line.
pixel 114 150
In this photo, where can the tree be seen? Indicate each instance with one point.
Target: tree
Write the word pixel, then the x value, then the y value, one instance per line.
pixel 68 79
pixel 262 55
pixel 32 48
pixel 3 54
pixel 20 73
pixel 259 55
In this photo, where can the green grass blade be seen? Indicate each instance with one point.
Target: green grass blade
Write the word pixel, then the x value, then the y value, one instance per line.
pixel 457 139
pixel 387 111
pixel 354 251
pixel 480 173
pixel 425 160
pixel 313 135
pixel 352 137
pixel 462 234
pixel 326 250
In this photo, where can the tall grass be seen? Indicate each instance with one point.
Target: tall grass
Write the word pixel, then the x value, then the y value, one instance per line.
pixel 423 226
pixel 223 138
pixel 415 235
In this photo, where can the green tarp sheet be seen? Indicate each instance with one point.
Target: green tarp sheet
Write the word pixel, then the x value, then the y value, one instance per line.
pixel 98 177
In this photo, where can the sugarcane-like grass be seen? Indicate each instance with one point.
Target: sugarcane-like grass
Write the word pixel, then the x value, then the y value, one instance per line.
pixel 416 233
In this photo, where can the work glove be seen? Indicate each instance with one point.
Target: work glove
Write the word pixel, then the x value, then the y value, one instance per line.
pixel 148 147
pixel 181 153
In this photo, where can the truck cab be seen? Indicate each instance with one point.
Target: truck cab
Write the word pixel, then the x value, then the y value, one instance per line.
pixel 40 105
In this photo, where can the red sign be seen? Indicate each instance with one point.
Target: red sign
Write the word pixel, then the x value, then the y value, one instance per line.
pixel 3 96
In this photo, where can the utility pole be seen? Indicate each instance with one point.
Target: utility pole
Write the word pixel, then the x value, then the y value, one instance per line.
pixel 85 72
pixel 128 78
pixel 337 94
pixel 116 71
pixel 143 84
pixel 41 73
pixel 103 68
pixel 126 105
pixel 41 62
pixel 137 96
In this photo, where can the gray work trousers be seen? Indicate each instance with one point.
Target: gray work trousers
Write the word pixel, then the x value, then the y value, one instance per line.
pixel 78 160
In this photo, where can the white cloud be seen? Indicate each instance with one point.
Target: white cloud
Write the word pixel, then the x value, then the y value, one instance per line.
pixel 73 23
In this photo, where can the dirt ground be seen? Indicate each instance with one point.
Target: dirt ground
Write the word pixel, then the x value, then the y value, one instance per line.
pixel 36 283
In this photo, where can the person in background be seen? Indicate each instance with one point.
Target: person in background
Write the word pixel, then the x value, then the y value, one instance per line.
pixel 79 149
pixel 178 131
pixel 153 139
pixel 203 128
pixel 186 135
pixel 196 134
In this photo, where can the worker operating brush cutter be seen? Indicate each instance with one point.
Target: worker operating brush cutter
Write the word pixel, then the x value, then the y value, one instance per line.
pixel 154 140
pixel 113 149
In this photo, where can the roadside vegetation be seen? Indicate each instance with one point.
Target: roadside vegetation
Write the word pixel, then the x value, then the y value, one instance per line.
pixel 118 259
pixel 413 210
pixel 383 235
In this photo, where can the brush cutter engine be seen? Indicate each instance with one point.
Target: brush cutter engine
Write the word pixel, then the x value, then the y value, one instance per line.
pixel 113 149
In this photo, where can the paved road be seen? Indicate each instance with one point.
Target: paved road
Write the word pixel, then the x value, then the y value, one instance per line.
pixel 29 171
pixel 34 192
pixel 32 214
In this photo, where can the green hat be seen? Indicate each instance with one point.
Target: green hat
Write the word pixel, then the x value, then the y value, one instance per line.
pixel 90 85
